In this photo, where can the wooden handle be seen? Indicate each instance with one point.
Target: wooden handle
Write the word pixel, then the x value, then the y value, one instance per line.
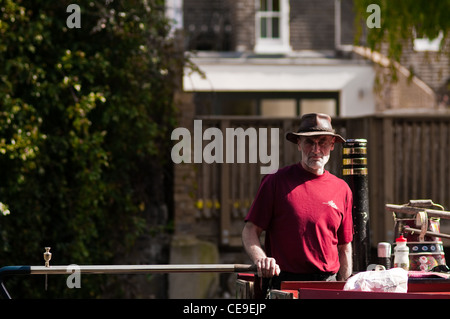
pixel 430 233
pixel 415 210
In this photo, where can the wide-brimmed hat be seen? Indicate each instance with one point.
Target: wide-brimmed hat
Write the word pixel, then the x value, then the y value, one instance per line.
pixel 314 124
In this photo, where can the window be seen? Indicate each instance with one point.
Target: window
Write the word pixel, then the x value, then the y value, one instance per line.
pixel 269 15
pixel 272 26
pixel 267 104
pixel 327 106
pixel 278 107
pixel 425 44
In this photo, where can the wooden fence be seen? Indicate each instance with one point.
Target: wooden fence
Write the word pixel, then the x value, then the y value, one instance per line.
pixel 408 158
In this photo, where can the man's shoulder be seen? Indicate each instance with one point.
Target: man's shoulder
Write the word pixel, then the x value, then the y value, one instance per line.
pixel 338 180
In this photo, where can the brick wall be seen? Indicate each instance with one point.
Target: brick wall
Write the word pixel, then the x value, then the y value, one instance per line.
pixel 243 25
pixel 312 25
pixel 431 67
pixel 227 25
pixel 403 93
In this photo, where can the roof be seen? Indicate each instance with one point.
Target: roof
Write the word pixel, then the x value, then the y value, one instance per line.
pixel 243 73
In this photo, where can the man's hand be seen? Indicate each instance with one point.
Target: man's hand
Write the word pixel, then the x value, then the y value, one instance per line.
pixel 267 267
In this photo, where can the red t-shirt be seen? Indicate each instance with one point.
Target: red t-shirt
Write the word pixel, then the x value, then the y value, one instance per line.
pixel 305 217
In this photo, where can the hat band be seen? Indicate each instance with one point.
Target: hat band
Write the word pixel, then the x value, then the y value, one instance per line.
pixel 316 129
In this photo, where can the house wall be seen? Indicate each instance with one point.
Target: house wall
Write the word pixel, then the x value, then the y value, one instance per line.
pixel 312 25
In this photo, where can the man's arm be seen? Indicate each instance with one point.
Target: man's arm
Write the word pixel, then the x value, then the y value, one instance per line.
pixel 345 259
pixel 267 267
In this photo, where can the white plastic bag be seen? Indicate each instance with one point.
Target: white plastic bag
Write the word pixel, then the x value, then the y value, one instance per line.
pixel 392 280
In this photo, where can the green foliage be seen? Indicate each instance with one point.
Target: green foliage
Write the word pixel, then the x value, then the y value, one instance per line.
pixel 400 20
pixel 85 116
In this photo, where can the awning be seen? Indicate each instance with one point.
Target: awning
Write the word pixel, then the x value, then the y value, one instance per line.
pixel 273 77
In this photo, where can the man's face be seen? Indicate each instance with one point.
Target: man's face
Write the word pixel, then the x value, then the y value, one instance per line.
pixel 315 150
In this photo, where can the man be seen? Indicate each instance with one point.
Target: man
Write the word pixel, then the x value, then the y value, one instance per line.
pixel 305 211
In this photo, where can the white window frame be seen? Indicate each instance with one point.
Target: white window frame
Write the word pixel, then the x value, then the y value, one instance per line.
pixel 425 44
pixel 273 45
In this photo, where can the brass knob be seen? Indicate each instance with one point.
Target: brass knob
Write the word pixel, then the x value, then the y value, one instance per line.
pixel 47 256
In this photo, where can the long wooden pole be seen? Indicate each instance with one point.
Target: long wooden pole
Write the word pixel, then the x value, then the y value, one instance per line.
pixel 117 269
pixel 133 269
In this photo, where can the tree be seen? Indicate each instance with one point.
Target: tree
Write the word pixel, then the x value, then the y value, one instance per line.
pixel 85 115
pixel 402 21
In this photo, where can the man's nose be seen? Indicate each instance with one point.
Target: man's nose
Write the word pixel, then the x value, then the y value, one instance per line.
pixel 316 147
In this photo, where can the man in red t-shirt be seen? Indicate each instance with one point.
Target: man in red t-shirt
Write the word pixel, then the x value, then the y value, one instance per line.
pixel 305 211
